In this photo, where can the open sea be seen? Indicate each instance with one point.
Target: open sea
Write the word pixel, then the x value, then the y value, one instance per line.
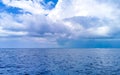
pixel 59 61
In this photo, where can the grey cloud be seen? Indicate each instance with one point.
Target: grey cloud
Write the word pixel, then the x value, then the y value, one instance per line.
pixel 34 25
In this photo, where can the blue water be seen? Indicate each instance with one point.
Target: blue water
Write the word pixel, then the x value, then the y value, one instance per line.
pixel 59 61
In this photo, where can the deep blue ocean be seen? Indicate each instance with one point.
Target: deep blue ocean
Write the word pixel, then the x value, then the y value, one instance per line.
pixel 59 61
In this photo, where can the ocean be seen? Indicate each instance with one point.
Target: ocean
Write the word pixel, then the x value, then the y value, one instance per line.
pixel 59 61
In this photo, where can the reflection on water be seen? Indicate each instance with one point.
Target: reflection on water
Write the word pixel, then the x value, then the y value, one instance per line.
pixel 59 62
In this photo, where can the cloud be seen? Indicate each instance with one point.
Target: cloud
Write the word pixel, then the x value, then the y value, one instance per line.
pixel 33 7
pixel 66 9
pixel 65 21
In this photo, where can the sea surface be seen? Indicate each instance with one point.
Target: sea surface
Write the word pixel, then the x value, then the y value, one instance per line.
pixel 59 61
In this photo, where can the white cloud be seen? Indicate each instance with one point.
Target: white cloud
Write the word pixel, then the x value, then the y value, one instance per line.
pixel 9 21
pixel 7 33
pixel 70 8
pixel 99 31
pixel 106 12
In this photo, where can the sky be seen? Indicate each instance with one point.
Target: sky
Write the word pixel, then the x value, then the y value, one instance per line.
pixel 59 24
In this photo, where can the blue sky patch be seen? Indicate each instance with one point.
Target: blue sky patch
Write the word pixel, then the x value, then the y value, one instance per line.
pixel 10 9
pixel 49 4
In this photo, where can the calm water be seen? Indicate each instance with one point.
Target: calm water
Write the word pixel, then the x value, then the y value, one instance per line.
pixel 59 61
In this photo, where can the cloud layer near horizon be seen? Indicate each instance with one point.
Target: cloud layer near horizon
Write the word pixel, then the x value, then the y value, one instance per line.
pixel 51 23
